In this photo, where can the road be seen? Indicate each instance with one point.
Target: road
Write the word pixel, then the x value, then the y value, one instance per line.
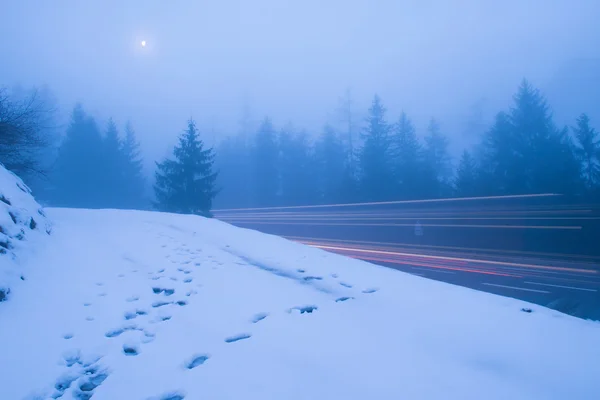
pixel 541 249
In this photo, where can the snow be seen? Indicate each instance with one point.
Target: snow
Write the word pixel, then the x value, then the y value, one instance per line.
pixel 142 305
pixel 22 221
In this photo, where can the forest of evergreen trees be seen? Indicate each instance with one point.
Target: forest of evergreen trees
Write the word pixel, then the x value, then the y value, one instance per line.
pixel 523 152
pixel 95 166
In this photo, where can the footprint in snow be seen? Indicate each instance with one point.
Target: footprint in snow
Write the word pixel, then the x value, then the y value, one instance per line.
pixel 343 299
pixel 131 349
pixel 119 331
pixel 301 270
pixel 334 276
pixel 121 275
pixel 89 318
pixel 99 284
pixel 87 304
pixel 160 271
pixel 132 299
pixel 370 290
pixel 304 309
pixel 312 278
pixel 187 280
pixel 167 292
pixel 161 318
pixel 68 336
pixel 177 395
pixel 88 379
pixel 91 383
pixel 259 317
pixel 196 361
pixel 238 337
pixel 134 314
pixel 347 285
pixel 102 294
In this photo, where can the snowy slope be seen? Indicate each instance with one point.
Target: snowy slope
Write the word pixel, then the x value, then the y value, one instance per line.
pixel 140 305
pixel 22 221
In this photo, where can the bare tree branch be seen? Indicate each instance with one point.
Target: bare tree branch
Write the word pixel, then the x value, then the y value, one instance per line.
pixel 24 131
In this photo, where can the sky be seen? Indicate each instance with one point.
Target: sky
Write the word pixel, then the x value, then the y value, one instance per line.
pixel 292 60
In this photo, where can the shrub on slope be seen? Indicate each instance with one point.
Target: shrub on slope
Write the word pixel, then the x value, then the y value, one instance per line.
pixel 21 218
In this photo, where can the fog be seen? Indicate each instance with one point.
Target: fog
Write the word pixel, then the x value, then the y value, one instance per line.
pixel 292 60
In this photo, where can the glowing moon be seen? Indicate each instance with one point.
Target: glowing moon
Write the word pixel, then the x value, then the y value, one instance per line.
pixel 143 43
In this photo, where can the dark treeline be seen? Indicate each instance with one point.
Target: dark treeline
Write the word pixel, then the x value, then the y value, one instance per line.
pixel 97 167
pixel 523 152
pixel 100 166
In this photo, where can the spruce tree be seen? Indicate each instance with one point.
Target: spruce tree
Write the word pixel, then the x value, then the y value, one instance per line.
pixel 376 181
pixel 265 162
pixel 77 176
pixel 525 153
pixel 437 160
pixel 113 162
pixel 409 168
pixel 186 184
pixel 331 164
pixel 500 159
pixel 465 183
pixel 296 169
pixel 235 177
pixel 134 183
pixel 588 152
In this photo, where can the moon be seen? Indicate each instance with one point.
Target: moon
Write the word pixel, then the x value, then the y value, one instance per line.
pixel 143 43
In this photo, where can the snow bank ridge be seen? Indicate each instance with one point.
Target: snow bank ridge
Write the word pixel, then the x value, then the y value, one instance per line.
pixel 21 218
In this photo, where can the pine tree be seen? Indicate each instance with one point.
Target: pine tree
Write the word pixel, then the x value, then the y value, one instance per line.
pixel 409 168
pixel 437 160
pixel 113 163
pixel 266 174
pixel 375 159
pixel 465 183
pixel 295 168
pixel 501 159
pixel 588 152
pixel 79 169
pixel 525 152
pixel 186 185
pixel 235 172
pixel 347 121
pixel 134 183
pixel 332 173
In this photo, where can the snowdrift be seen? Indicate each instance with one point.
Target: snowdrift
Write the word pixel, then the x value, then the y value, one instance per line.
pixel 21 220
pixel 142 305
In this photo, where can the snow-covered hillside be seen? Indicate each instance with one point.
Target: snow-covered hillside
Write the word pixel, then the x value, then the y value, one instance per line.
pixel 22 220
pixel 141 305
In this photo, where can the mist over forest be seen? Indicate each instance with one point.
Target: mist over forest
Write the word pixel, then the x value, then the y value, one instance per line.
pixel 291 103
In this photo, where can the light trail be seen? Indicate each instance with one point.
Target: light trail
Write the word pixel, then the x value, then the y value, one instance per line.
pixel 470 260
pixel 537 227
pixel 411 263
pixel 378 203
pixel 518 272
pixel 424 211
pixel 393 218
pixel 406 246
